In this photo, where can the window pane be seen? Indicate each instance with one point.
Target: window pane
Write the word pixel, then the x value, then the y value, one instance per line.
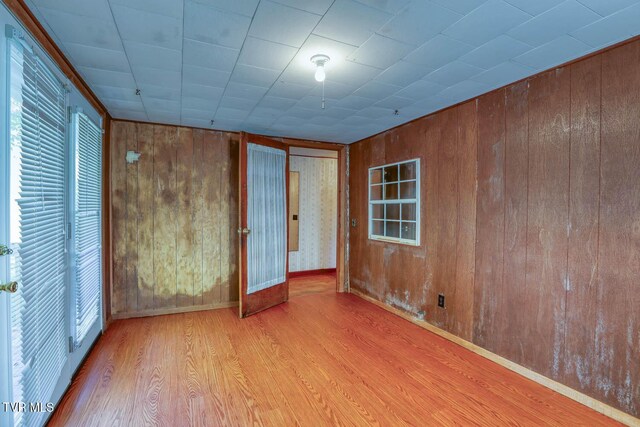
pixel 391 191
pixel 408 231
pixel 393 229
pixel 408 171
pixel 375 176
pixel 409 211
pixel 377 211
pixel 408 190
pixel 393 211
pixel 376 192
pixel 377 228
pixel 391 173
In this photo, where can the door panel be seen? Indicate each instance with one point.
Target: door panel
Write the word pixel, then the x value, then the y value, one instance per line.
pixel 264 198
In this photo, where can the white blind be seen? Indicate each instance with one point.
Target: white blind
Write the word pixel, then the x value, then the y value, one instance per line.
pixel 38 115
pixel 266 217
pixel 87 241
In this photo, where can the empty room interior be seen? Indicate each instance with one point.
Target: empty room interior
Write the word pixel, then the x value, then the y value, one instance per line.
pixel 319 212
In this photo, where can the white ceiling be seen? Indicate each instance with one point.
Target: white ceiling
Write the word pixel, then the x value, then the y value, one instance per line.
pixel 245 63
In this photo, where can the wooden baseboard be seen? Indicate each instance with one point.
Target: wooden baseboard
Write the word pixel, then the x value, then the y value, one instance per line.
pixel 173 310
pixel 312 272
pixel 564 390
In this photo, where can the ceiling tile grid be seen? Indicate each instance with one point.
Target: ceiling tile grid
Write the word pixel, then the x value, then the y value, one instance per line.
pixel 245 64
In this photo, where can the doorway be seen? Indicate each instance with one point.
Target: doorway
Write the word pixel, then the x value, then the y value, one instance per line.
pixel 313 220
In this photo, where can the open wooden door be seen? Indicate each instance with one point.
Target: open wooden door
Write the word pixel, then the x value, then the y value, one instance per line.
pixel 264 243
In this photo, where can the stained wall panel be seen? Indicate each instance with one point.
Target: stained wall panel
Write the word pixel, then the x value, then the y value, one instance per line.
pixel 530 219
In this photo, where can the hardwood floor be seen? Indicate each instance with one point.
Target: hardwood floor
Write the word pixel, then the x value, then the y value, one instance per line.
pixel 313 284
pixel 321 359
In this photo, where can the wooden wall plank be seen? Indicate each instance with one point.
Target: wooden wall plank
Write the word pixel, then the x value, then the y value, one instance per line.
pixel 185 230
pixel 618 313
pixel 584 204
pixel 429 211
pixel 547 225
pixel 164 232
pixel 119 220
pixel 211 218
pixel 511 315
pixel 224 221
pixel 461 323
pixel 131 141
pixel 490 219
pixel 146 208
pixel 197 214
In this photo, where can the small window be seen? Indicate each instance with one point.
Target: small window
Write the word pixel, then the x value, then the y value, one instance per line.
pixel 394 202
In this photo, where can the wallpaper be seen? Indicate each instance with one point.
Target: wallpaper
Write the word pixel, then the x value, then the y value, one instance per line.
pixel 318 213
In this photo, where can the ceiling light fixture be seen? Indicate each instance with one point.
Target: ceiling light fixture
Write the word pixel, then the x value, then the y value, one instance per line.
pixel 319 61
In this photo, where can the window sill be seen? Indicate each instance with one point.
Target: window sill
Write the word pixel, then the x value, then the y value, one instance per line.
pixel 394 240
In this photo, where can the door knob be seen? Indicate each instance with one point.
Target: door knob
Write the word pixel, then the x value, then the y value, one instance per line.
pixel 244 231
pixel 10 287
pixel 4 250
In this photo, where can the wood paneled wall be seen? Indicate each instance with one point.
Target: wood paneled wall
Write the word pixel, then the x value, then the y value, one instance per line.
pixel 174 216
pixel 530 224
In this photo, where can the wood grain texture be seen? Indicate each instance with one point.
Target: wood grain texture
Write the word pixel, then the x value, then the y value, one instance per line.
pixel 320 359
pixel 173 210
pixel 556 245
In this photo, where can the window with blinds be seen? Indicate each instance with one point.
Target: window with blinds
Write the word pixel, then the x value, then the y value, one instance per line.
pixel 37 212
pixel 87 155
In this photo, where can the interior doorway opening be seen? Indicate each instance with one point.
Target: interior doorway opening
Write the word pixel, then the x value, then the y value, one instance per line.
pixel 313 220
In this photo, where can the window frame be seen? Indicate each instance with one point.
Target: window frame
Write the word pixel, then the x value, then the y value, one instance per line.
pixel 371 203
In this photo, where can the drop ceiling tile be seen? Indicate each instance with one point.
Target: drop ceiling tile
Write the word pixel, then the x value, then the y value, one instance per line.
pixel 313 102
pixel 353 74
pixel 557 52
pixel 507 72
pixel 238 103
pixel 534 7
pixel 172 93
pixel 242 7
pixel 209 104
pixel 350 22
pixel 87 8
pixel 376 112
pixel 301 70
pixel 562 19
pixel 419 22
pixel 205 76
pixel 390 6
pixel 453 73
pixel 228 124
pixel 376 90
pixel 495 52
pixel 355 121
pixel 157 77
pixel 128 114
pixel 319 7
pixel 266 54
pixel 266 113
pixel 274 102
pixel 107 78
pixel 94 57
pixel 120 104
pixel 438 51
pixel 421 89
pixel 240 90
pixel 230 114
pixel 155 104
pixel 321 120
pixel 380 52
pixel 289 90
pixel 209 25
pixel 354 102
pixel 166 117
pixel 333 90
pixel 461 6
pixel 619 26
pixel 254 76
pixel 607 7
pixel 189 113
pixel 403 73
pixel 96 32
pixel 302 113
pixel 146 55
pixel 209 55
pixel 111 92
pixel 465 90
pixel 145 27
pixel 486 22
pixel 337 112
pixel 282 24
pixel 170 8
pixel 394 102
pixel 191 90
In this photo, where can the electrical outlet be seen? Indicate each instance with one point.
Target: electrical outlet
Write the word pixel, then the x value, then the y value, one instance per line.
pixel 440 300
